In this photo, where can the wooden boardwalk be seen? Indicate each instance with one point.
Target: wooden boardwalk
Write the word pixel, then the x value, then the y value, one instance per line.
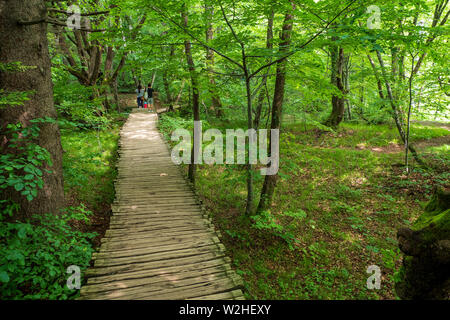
pixel 160 244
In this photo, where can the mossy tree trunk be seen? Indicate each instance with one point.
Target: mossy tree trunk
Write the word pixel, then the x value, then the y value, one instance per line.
pixel 28 45
pixel 425 273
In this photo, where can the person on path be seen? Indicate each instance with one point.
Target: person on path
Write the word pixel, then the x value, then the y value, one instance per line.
pixel 140 96
pixel 149 92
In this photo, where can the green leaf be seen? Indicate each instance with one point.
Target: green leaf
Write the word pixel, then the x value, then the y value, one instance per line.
pixel 22 233
pixel 19 186
pixel 4 277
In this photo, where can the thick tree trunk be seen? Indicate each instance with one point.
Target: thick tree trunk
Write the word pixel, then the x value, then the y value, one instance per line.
pixel 195 97
pixel 28 44
pixel 337 79
pixel 277 108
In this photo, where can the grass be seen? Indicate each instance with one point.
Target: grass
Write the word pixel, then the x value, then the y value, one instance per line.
pixel 89 172
pixel 354 199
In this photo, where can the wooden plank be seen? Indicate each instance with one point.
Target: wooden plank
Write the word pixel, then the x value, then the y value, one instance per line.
pixel 144 214
pixel 151 249
pixel 159 264
pixel 175 254
pixel 157 234
pixel 160 228
pixel 188 240
pixel 161 279
pixel 230 295
pixel 125 275
pixel 184 289
pixel 154 218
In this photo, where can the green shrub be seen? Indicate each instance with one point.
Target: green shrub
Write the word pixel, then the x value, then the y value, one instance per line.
pixel 34 255
pixel 22 170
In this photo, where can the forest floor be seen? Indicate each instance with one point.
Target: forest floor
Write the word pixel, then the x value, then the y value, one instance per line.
pixel 340 199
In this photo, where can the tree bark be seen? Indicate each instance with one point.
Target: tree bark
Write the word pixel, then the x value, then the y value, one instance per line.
pixel 195 96
pixel 377 77
pixel 180 93
pixel 277 108
pixel 337 79
pixel 28 44
pixel 166 83
pixel 215 99
pixel 262 93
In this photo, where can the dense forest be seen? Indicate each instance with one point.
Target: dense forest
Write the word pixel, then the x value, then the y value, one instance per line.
pixel 358 92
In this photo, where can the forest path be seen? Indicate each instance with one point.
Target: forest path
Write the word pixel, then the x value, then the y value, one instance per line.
pixel 128 100
pixel 160 243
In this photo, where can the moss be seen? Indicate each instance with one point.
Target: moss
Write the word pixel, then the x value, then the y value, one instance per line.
pixel 434 223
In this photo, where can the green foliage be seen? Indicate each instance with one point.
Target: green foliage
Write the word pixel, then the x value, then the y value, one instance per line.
pixel 268 222
pixel 13 98
pixel 22 169
pixel 35 254
pixel 77 104
pixel 14 67
pixel 88 164
pixel 171 122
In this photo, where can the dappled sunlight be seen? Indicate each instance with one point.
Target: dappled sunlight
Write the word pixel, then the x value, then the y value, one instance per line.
pixel 354 178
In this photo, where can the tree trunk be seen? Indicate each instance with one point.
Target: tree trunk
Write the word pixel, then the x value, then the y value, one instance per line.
pixel 166 83
pixel 215 99
pixel 262 93
pixel 115 91
pixel 346 80
pixel 28 44
pixel 195 97
pixel 271 180
pixel 169 99
pixel 337 79
pixel 396 113
pixel 377 77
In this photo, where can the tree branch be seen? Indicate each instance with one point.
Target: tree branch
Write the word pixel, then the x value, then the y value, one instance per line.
pixel 194 37
pixel 81 14
pixel 306 43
